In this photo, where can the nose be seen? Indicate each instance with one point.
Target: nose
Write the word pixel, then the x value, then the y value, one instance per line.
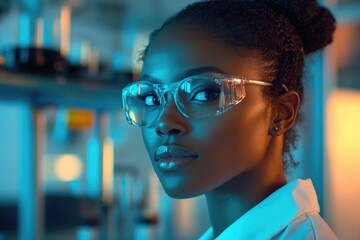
pixel 172 122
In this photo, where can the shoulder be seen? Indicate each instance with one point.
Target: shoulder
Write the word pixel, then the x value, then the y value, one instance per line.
pixel 309 226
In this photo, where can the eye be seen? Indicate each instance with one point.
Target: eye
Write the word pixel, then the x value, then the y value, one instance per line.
pixel 206 95
pixel 151 99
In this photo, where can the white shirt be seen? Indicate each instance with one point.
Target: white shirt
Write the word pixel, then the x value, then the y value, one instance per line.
pixel 291 213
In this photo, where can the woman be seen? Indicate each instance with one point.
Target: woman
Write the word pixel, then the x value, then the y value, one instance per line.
pixel 217 103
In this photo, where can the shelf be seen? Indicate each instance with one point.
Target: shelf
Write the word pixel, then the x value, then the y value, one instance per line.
pixel 61 91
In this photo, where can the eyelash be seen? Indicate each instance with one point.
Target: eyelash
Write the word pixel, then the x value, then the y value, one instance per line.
pixel 203 89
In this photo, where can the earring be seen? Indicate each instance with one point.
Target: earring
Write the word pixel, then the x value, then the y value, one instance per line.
pixel 274 130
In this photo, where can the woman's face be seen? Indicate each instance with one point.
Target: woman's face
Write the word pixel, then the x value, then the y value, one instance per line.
pixel 207 152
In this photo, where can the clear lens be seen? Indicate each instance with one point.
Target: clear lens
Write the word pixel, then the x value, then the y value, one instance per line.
pixel 199 97
pixel 142 103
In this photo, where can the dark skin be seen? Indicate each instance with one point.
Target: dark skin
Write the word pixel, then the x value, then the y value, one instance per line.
pixel 240 153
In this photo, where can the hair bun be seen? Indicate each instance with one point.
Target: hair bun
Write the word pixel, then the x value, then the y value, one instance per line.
pixel 314 23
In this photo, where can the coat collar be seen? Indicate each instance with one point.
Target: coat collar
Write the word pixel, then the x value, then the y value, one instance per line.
pixel 273 214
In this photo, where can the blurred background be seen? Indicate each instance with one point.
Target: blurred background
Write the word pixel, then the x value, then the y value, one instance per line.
pixel 72 168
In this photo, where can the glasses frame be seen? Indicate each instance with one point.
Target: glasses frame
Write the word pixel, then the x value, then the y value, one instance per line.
pixel 161 89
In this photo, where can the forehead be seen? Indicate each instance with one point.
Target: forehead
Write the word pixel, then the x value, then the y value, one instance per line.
pixel 179 48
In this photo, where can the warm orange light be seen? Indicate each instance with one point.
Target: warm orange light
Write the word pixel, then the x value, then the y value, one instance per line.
pixel 39 32
pixel 65 29
pixel 108 170
pixel 343 165
pixel 68 167
pixel 349 39
pixel 343 125
pixel 80 119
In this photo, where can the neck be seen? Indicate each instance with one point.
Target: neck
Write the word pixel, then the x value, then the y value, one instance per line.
pixel 234 198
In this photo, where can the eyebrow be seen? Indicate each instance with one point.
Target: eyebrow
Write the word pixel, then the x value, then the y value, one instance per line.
pixel 187 73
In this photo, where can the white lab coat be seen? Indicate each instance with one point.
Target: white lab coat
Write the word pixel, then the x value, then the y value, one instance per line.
pixel 291 213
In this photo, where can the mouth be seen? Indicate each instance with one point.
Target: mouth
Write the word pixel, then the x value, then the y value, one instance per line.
pixel 172 158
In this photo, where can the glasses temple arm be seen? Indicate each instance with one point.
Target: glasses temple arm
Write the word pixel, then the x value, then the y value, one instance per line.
pixel 257 82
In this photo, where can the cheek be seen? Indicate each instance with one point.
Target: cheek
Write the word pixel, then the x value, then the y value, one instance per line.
pixel 235 140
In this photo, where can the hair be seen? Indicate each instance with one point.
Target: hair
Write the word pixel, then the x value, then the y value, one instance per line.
pixel 283 32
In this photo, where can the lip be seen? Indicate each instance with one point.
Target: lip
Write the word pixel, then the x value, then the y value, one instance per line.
pixel 172 158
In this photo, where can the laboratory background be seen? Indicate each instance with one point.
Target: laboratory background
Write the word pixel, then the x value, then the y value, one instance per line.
pixel 71 167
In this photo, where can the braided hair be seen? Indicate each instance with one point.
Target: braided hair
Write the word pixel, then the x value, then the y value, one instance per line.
pixel 283 32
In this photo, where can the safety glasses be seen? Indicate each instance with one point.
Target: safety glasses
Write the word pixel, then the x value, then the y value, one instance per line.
pixel 197 97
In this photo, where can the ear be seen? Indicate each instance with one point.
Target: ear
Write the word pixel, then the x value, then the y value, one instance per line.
pixel 285 110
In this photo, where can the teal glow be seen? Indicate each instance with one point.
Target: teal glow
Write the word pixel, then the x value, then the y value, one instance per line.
pixel 27 195
pixel 25 30
pixel 93 166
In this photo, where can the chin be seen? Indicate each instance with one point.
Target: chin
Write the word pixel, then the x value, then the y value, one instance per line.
pixel 180 187
pixel 182 193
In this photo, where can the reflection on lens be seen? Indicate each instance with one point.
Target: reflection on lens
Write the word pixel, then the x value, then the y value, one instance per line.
pixel 133 116
pixel 141 114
